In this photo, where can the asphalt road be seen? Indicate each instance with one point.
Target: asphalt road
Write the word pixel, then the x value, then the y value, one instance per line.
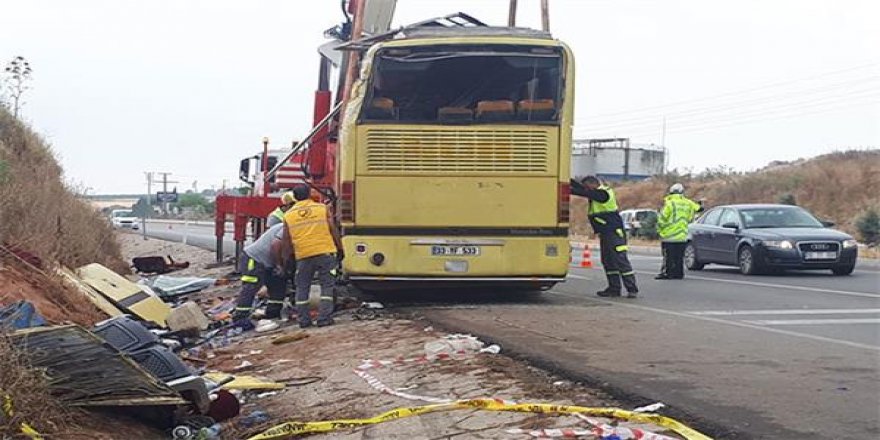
pixel 783 357
pixel 795 356
pixel 199 235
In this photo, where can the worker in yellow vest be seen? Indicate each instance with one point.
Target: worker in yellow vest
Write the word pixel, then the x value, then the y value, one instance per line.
pixel 277 216
pixel 672 227
pixel 606 222
pixel 310 230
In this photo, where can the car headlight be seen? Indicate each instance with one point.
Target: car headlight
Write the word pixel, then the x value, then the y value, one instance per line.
pixel 849 244
pixel 781 244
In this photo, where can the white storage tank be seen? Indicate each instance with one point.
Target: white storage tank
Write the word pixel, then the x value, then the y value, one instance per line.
pixel 616 159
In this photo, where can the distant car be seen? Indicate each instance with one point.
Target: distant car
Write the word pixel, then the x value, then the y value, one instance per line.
pixel 758 238
pixel 124 219
pixel 634 218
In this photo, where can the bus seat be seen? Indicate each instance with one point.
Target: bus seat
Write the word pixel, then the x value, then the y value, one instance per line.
pixel 495 110
pixel 535 110
pixel 451 114
pixel 381 108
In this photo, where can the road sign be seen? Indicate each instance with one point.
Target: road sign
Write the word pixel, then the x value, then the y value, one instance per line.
pixel 166 197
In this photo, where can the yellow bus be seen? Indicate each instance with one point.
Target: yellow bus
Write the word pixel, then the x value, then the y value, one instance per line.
pixel 454 160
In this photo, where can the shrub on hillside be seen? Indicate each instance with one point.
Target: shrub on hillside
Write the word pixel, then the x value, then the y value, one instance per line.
pixel 868 226
pixel 38 213
pixel 788 199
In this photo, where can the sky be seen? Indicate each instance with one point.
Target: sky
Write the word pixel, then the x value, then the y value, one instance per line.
pixel 121 87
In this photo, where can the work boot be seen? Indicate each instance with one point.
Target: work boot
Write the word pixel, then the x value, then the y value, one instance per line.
pixel 240 316
pixel 634 294
pixel 608 293
pixel 325 322
pixel 662 277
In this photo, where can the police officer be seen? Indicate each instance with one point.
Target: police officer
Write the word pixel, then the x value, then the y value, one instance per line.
pixel 277 216
pixel 310 230
pixel 672 226
pixel 606 222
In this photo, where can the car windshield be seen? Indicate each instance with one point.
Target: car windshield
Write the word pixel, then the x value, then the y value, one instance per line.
pixel 123 214
pixel 783 217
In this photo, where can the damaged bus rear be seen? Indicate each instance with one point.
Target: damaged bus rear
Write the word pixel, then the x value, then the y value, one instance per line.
pixel 454 160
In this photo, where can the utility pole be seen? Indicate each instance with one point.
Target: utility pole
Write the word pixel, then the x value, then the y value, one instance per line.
pixel 545 15
pixel 663 144
pixel 149 203
pixel 511 14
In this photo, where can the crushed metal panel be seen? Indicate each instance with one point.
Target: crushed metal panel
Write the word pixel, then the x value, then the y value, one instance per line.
pixel 93 295
pixel 125 294
pixel 83 370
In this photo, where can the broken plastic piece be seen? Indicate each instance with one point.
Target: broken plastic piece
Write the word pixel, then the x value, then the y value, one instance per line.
pixel 244 382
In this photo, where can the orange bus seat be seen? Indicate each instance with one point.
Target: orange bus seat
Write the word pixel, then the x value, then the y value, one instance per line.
pixel 501 110
pixel 535 110
pixel 455 114
pixel 381 108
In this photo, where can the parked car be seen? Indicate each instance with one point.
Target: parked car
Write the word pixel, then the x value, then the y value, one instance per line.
pixel 758 238
pixel 633 220
pixel 124 218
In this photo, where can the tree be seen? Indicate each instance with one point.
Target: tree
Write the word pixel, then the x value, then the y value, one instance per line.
pixel 868 226
pixel 17 75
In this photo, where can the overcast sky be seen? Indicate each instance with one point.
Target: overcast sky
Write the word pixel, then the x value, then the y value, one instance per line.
pixel 190 87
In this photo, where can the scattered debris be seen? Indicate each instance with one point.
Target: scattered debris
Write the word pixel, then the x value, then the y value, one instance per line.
pixel 293 337
pixel 125 294
pixel 243 382
pixel 654 407
pixel 266 325
pixel 20 315
pixel 157 265
pixel 187 316
pixel 170 287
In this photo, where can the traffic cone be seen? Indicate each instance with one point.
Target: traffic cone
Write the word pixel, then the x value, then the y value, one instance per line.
pixel 586 258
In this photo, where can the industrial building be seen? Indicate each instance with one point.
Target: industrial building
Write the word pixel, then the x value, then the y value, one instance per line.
pixel 616 159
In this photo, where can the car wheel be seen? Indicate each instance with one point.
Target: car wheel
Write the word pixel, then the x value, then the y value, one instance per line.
pixel 747 263
pixel 690 258
pixel 843 270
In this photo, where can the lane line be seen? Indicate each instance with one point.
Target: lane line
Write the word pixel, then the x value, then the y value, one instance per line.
pixel 786 312
pixel 759 284
pixel 815 321
pixel 723 321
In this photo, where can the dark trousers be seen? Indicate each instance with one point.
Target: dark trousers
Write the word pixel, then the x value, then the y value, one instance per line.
pixel 306 269
pixel 673 260
pixel 613 248
pixel 253 277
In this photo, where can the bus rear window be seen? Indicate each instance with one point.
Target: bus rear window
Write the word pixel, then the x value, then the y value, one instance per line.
pixel 461 85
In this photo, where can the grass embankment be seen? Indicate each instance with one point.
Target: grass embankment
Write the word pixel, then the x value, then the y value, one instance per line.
pixel 839 187
pixel 42 224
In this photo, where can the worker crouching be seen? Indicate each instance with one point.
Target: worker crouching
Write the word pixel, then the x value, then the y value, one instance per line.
pixel 259 265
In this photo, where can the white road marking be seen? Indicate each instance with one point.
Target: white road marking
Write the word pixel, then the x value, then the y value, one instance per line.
pixel 628 304
pixel 755 283
pixel 786 312
pixel 815 321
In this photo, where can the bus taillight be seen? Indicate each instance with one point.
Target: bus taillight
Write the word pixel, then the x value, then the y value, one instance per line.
pixel 346 202
pixel 563 200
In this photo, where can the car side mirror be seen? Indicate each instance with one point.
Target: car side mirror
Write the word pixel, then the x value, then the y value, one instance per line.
pixel 827 223
pixel 730 225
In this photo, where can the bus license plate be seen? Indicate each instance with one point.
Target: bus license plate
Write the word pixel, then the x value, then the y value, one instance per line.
pixel 820 255
pixel 457 251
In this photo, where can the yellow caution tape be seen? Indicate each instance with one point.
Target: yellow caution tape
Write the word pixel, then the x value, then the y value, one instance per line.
pixel 26 428
pixel 295 428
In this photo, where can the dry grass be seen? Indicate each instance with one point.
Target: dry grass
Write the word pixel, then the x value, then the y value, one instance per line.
pixel 39 213
pixel 29 391
pixel 839 187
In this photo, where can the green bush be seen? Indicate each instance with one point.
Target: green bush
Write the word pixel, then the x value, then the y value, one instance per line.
pixel 648 228
pixel 788 199
pixel 868 226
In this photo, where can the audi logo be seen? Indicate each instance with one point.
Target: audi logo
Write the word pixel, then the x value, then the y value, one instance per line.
pixel 820 247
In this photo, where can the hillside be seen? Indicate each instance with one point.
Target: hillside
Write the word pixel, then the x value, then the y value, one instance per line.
pixel 839 187
pixel 43 222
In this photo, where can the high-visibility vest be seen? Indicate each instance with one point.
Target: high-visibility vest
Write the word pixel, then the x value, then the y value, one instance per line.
pixel 309 229
pixel 278 213
pixel 609 205
pixel 672 223
pixel 277 216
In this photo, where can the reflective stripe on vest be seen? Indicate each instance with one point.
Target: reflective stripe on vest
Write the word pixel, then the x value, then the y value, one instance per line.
pixel 308 228
pixel 678 212
pixel 278 213
pixel 609 205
